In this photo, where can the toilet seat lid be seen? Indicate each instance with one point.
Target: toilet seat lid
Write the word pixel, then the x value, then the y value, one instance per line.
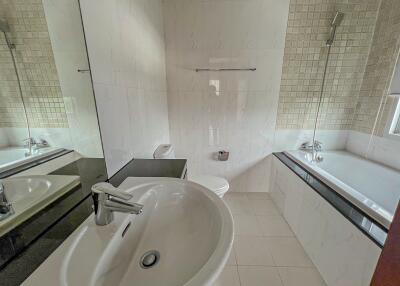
pixel 215 184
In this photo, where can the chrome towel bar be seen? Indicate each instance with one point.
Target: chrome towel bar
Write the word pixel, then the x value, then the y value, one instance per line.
pixel 218 70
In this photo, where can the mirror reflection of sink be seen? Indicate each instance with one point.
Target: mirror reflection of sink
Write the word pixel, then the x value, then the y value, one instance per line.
pixel 23 190
pixel 183 237
pixel 29 194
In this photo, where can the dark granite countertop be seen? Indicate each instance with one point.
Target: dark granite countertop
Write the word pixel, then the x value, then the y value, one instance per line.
pixel 175 168
pixel 27 246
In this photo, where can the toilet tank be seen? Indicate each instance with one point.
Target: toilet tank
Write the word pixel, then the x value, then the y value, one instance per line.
pixel 164 151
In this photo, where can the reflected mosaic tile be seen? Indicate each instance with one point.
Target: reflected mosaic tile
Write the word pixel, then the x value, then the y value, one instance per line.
pixel 36 68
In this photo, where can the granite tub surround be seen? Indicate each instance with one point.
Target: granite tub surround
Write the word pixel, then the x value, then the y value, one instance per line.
pixel 235 111
pixel 37 162
pixel 342 253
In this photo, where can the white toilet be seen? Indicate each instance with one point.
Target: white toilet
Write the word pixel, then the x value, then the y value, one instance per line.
pixel 216 184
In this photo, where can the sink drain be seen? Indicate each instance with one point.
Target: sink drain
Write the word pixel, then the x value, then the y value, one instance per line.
pixel 149 259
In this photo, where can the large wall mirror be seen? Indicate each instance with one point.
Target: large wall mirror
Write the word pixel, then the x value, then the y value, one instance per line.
pixel 46 96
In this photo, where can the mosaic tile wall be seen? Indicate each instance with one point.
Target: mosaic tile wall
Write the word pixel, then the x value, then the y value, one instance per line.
pixel 379 70
pixel 305 54
pixel 36 66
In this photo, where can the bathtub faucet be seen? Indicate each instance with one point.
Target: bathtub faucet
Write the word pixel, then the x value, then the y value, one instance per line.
pixel 313 149
pixel 308 146
pixel 32 145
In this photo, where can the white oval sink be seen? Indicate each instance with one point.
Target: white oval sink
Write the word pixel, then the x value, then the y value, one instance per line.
pixel 30 194
pixel 189 226
pixel 28 189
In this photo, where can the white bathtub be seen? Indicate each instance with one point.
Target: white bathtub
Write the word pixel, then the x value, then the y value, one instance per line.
pixel 12 157
pixel 372 187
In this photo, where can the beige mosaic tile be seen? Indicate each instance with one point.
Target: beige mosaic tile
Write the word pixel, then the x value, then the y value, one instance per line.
pixel 304 59
pixel 36 66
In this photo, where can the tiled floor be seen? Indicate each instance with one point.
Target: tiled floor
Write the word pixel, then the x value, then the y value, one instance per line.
pixel 265 250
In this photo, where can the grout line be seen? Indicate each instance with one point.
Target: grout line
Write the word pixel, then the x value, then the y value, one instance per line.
pixel 237 271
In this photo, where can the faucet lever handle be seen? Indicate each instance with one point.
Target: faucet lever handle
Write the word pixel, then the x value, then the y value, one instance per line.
pixel 110 190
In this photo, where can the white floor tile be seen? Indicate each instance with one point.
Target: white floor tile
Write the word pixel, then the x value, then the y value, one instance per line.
pixel 258 196
pixel 287 251
pixel 238 204
pixel 235 195
pixel 263 207
pixel 228 277
pixel 259 276
pixel 274 226
pixel 293 276
pixel 246 225
pixel 263 239
pixel 232 258
pixel 253 250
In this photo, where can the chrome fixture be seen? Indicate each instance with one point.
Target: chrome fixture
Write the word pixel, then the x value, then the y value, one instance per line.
pixel 108 199
pixel 6 208
pixel 337 20
pixel 83 70
pixel 33 146
pixel 309 146
pixel 313 149
pixel 149 259
pixel 219 70
pixel 5 28
pixel 223 155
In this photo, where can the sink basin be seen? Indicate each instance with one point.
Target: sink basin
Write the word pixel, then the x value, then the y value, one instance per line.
pixel 186 230
pixel 24 190
pixel 30 194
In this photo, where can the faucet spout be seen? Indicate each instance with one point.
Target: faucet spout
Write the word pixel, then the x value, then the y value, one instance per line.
pixel 108 199
pixel 121 206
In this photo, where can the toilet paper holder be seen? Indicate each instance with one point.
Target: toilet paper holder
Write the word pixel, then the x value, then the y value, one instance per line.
pixel 223 155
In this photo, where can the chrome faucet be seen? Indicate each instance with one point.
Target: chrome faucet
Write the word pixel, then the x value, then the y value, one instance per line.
pixel 309 146
pixel 108 199
pixel 29 143
pixel 6 208
pixel 32 145
pixel 313 149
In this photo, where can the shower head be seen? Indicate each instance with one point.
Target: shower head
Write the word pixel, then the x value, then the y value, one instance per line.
pixel 337 20
pixel 4 27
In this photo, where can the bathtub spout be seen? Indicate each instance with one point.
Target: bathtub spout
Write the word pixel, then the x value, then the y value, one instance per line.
pixel 313 150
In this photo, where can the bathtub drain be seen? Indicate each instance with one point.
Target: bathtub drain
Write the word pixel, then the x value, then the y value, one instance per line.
pixel 149 259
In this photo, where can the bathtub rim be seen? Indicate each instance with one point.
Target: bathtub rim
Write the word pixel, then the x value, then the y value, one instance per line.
pixel 376 232
pixel 324 176
pixel 36 161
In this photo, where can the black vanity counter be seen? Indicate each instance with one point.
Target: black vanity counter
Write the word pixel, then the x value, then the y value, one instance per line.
pixel 175 168
pixel 23 249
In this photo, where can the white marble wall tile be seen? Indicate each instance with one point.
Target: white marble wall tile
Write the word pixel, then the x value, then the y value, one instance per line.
pixel 69 49
pixel 291 139
pixel 126 44
pixel 235 111
pixel 380 149
pixel 4 142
